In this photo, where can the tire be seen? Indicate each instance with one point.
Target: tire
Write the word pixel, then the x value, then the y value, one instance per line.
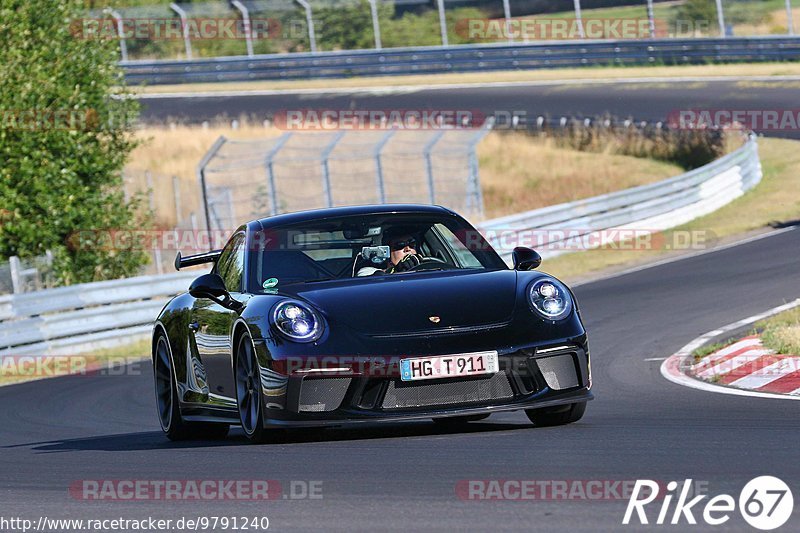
pixel 167 405
pixel 249 396
pixel 458 421
pixel 557 416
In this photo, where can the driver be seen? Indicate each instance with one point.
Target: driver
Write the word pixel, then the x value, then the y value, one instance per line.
pixel 403 254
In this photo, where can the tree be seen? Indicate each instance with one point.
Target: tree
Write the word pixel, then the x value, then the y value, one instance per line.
pixel 65 133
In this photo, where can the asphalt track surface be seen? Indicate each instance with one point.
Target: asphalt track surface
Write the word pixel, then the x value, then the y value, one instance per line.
pixel 403 477
pixel 650 101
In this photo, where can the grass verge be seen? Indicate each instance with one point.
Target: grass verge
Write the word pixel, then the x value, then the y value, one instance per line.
pixel 782 332
pixel 28 368
pixel 768 204
pixel 708 349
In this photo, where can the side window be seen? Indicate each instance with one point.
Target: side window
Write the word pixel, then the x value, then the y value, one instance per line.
pixel 230 265
pixel 466 258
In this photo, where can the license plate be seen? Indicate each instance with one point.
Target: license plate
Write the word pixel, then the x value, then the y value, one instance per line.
pixel 449 366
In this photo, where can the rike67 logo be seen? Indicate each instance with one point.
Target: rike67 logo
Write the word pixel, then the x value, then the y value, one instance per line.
pixel 765 503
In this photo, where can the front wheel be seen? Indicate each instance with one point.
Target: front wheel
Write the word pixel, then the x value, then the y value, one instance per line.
pixel 169 413
pixel 557 416
pixel 248 391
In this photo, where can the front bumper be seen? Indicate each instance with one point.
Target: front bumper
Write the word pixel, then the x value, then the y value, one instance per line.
pixel 529 378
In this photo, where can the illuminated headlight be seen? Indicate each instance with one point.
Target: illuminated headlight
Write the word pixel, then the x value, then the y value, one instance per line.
pixel 297 321
pixel 550 299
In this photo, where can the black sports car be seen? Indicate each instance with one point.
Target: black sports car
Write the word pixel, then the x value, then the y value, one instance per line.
pixel 366 314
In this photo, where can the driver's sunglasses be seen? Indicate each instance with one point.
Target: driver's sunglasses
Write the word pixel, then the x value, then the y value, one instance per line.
pixel 399 245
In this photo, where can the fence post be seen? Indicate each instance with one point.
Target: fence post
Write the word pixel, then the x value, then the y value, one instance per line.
pixel 429 164
pixel 578 18
pixel 148 177
pixel 651 19
pixel 15 267
pixel 158 260
pixel 312 36
pixel 721 19
pixel 379 165
pixel 474 184
pixel 248 31
pixel 185 24
pixel 442 22
pixel 176 194
pixel 789 19
pixel 376 25
pixel 201 176
pixel 123 45
pixel 326 174
pixel 273 191
pixel 507 16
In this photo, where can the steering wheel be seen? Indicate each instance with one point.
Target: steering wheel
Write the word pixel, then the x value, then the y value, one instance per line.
pixel 429 263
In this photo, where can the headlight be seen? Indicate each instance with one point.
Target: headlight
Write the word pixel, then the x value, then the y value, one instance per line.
pixel 297 321
pixel 550 298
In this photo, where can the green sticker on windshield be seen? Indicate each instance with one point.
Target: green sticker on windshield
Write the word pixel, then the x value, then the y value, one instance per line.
pixel 271 282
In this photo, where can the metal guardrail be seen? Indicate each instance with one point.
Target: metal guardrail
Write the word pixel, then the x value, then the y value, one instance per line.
pixel 72 319
pixel 646 209
pixel 463 58
pixel 44 321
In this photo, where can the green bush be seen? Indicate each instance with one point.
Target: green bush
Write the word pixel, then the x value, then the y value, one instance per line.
pixel 63 142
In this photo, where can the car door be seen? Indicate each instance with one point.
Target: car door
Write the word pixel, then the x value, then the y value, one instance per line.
pixel 212 323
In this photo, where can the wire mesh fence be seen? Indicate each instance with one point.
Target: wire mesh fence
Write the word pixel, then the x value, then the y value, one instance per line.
pixel 215 28
pixel 243 180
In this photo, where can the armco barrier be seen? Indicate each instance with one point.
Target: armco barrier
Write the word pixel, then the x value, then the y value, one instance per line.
pixel 84 316
pixel 80 317
pixel 462 58
pixel 658 206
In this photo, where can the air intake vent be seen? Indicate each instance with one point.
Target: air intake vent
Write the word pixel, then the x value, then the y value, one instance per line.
pixel 559 371
pixel 323 394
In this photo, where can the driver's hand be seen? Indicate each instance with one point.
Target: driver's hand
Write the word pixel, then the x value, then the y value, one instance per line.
pixel 409 262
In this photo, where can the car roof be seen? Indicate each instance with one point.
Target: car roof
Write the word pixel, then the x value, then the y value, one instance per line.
pixel 332 212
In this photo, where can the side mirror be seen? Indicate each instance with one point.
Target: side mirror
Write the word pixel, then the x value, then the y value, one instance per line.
pixel 525 258
pixel 212 287
pixel 208 286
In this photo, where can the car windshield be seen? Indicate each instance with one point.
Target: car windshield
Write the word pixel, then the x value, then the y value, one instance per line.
pixel 353 247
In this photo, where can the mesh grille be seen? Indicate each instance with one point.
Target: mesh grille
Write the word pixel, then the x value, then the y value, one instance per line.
pixel 325 394
pixel 399 396
pixel 559 371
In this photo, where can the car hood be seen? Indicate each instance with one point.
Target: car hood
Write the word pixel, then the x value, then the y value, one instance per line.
pixel 406 303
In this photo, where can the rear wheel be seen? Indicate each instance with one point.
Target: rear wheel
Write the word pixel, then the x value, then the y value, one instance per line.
pixel 169 413
pixel 557 416
pixel 249 396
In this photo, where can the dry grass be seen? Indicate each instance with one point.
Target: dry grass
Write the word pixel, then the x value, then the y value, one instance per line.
pixel 774 200
pixel 175 151
pixel 782 332
pixel 105 358
pixel 774 24
pixel 520 173
pixel 553 75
